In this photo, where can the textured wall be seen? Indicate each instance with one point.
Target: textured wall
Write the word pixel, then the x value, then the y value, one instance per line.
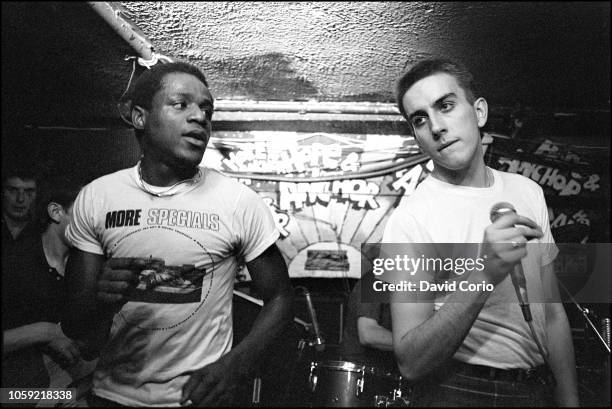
pixel 356 50
pixel 63 64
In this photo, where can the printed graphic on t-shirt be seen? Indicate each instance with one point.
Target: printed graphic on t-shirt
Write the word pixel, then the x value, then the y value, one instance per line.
pixel 179 271
pixel 161 283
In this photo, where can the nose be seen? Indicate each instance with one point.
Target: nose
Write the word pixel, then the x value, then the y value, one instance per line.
pixel 438 127
pixel 196 114
pixel 21 196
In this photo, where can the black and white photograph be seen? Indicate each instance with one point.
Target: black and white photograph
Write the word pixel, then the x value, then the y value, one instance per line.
pixel 306 204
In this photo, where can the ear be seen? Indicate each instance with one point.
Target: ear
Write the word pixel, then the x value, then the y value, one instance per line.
pixel 55 210
pixel 139 115
pixel 482 111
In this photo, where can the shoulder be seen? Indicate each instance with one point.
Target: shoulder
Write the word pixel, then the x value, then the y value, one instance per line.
pixel 229 187
pixel 418 203
pixel 515 178
pixel 111 180
pixel 518 181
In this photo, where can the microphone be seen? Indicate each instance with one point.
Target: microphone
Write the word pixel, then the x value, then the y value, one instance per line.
pixel 517 275
pixel 319 342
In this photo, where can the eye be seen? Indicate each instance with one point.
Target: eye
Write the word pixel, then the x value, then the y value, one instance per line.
pixel 446 106
pixel 418 121
pixel 208 111
pixel 179 105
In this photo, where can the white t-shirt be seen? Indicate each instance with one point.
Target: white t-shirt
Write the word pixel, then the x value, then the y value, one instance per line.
pixel 180 317
pixel 439 212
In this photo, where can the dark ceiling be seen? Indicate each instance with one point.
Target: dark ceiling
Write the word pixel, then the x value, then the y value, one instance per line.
pixel 62 64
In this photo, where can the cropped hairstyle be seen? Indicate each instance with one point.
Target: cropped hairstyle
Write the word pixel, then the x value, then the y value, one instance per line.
pixel 429 67
pixel 60 191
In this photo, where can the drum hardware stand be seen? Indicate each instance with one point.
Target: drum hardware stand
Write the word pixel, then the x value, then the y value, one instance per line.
pixel 588 323
pixel 314 342
pixel 256 391
pixel 604 336
pixel 396 400
pixel 256 395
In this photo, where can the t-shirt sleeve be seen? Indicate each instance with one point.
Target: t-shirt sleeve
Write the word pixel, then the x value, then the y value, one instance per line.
pixel 81 230
pixel 361 308
pixel 402 227
pixel 255 225
pixel 550 249
pixel 368 310
pixel 404 237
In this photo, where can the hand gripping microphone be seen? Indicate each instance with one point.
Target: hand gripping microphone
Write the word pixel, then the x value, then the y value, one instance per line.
pixel 319 342
pixel 517 274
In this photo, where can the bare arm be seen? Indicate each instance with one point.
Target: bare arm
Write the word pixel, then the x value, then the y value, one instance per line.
pixel 96 289
pixel 44 335
pixel 36 334
pixel 81 319
pixel 216 383
pixel 560 346
pixel 271 280
pixel 422 340
pixel 373 335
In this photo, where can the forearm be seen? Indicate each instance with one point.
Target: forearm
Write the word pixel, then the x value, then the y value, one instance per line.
pixel 269 324
pixel 91 331
pixel 30 335
pixel 84 318
pixel 372 335
pixel 562 359
pixel 434 341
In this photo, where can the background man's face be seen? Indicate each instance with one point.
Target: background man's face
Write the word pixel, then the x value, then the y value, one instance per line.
pixel 18 197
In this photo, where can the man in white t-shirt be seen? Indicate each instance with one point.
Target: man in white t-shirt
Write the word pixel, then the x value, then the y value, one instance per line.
pixel 157 248
pixel 474 347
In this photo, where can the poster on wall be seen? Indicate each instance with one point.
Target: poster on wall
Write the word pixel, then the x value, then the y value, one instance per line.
pixel 576 184
pixel 331 192
pixel 328 193
pixel 575 181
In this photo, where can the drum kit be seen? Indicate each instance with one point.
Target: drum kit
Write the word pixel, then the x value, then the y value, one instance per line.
pixel 348 384
pixel 313 375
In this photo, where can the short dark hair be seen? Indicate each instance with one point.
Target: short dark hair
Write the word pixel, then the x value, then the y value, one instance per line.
pixel 429 67
pixel 22 171
pixel 151 81
pixel 61 191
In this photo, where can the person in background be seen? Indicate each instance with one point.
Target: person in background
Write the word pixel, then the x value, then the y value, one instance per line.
pixel 367 337
pixel 33 289
pixel 156 251
pixel 19 187
pixel 475 348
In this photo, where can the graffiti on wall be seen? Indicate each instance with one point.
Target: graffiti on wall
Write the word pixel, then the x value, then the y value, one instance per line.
pixel 328 193
pixel 575 184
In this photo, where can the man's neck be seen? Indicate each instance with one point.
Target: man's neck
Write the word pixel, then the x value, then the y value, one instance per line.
pixel 160 174
pixel 56 251
pixel 15 227
pixel 477 176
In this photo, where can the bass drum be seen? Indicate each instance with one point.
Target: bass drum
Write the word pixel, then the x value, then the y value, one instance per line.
pixel 347 384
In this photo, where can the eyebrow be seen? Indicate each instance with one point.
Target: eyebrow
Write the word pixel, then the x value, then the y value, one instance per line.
pixel 437 102
pixel 188 95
